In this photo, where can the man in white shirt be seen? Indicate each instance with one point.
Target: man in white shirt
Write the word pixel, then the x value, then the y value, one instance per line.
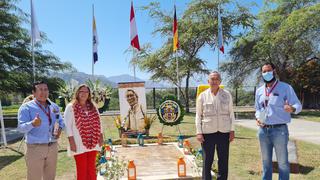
pixel 215 126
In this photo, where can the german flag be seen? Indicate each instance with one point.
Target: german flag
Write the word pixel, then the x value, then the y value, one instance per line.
pixel 175 31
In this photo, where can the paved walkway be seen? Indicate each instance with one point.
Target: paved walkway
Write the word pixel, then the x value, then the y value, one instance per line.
pixel 298 129
pixel 12 134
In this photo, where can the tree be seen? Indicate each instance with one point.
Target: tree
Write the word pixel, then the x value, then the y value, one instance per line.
pixel 197 28
pixel 286 34
pixel 15 53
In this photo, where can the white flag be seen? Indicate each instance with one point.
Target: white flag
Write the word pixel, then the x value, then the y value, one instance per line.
pixel 35 33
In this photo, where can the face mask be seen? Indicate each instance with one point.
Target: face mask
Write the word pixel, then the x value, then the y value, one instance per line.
pixel 268 76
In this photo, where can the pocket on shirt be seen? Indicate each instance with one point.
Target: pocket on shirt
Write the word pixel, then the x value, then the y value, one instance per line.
pixel 209 109
pixel 276 101
pixel 226 121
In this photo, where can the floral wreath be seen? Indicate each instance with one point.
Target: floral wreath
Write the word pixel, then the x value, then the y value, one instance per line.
pixel 170 112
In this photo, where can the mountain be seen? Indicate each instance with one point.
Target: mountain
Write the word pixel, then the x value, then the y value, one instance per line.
pixel 128 78
pixel 82 78
pixel 111 81
pixel 124 78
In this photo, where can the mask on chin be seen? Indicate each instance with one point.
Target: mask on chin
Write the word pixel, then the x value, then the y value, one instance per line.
pixel 268 77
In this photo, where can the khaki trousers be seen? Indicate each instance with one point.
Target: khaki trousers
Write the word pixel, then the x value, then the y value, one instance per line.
pixel 41 161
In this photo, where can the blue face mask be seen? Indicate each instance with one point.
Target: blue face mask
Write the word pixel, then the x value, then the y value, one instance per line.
pixel 267 76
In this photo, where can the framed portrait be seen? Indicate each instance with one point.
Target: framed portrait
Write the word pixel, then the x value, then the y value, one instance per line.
pixel 133 105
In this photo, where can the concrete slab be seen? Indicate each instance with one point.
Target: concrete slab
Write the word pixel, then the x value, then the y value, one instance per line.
pixel 156 161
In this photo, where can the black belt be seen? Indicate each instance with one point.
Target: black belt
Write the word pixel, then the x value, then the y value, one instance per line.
pixel 44 144
pixel 273 125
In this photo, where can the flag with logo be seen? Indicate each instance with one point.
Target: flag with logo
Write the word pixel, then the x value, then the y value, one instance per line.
pixel 95 41
pixel 220 36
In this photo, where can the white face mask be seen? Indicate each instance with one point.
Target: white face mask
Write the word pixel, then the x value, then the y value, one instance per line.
pixel 267 76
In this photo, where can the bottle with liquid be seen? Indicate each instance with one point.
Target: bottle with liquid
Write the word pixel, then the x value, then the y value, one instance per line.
pixel 181 167
pixel 56 125
pixel 132 173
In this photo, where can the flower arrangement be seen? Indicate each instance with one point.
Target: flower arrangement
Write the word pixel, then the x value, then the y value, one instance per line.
pixel 148 121
pixel 117 121
pixel 114 168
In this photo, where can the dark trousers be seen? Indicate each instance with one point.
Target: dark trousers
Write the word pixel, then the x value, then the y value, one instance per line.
pixel 221 142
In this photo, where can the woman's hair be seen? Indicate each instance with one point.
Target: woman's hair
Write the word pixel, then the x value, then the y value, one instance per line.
pixel 75 98
pixel 28 98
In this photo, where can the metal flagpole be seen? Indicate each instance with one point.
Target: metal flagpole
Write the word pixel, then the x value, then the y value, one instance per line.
pixel 218 58
pixel 3 132
pixel 33 61
pixel 92 44
pixel 178 82
pixel 134 63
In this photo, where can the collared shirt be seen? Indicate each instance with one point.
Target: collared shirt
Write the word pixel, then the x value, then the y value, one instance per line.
pixel 274 106
pixel 43 133
pixel 214 112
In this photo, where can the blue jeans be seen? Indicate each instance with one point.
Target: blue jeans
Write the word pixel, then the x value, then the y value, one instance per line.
pixel 276 138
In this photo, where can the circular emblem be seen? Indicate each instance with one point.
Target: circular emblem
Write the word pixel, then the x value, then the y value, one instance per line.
pixel 170 112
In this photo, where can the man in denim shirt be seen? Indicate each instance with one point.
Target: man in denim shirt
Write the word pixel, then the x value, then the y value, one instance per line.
pixel 41 121
pixel 274 102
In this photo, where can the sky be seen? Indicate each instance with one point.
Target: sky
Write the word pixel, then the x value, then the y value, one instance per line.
pixel 68 25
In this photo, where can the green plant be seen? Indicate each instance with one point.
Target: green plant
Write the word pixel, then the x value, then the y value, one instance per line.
pixel 113 168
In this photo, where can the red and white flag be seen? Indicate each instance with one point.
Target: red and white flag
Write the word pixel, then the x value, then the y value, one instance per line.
pixel 220 36
pixel 133 30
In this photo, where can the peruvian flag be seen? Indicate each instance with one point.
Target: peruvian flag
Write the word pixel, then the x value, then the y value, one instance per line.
pixel 133 30
pixel 220 36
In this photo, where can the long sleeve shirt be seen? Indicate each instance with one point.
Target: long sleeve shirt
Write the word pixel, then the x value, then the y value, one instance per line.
pixel 43 133
pixel 214 112
pixel 273 106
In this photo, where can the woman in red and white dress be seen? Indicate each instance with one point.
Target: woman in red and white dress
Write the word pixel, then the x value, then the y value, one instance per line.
pixel 84 132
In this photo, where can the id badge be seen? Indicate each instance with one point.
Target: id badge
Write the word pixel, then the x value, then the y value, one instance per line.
pixel 263 116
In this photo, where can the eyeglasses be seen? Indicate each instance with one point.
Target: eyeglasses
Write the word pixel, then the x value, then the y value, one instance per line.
pixel 214 79
pixel 83 91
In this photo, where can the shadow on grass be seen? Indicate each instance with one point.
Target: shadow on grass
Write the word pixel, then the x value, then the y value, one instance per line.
pixel 237 137
pixel 305 169
pixel 254 173
pixel 62 150
pixel 7 160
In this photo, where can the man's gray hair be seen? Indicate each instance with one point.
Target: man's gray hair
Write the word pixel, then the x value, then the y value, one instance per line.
pixel 215 72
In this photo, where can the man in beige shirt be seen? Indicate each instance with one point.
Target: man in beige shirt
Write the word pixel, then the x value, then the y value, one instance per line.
pixel 215 126
pixel 136 115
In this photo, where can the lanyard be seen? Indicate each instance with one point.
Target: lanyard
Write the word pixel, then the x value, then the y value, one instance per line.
pixel 45 111
pixel 268 93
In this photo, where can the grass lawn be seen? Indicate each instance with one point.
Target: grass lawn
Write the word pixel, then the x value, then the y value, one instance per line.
pixel 244 153
pixel 309 115
pixel 10 110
